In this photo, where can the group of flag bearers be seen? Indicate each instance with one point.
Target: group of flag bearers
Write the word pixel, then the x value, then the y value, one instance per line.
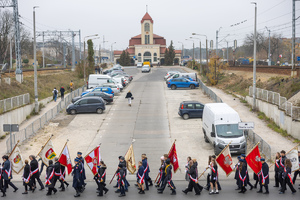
pixel 56 171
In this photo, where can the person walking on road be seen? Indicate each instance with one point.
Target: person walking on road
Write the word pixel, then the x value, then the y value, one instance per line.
pixel 281 167
pixel 35 174
pixel 264 177
pixel 214 177
pixel 76 173
pixel 71 85
pixel 26 178
pixel 50 178
pixel 147 170
pixel 55 93
pixel 287 177
pixel 62 93
pixel 129 97
pixel 167 179
pixel 193 179
pixel 101 178
pixel 121 180
pixel 297 172
pixel 140 175
pixel 7 175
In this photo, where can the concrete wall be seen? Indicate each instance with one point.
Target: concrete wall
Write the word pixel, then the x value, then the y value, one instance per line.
pixel 278 116
pixel 17 116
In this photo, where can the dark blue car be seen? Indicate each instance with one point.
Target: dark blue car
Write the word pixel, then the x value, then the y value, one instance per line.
pixel 87 105
pixel 182 83
pixel 190 109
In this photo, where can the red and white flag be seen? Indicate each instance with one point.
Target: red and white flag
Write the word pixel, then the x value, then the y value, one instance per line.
pixel 65 159
pixel 93 159
pixel 225 161
pixel 253 160
pixel 173 157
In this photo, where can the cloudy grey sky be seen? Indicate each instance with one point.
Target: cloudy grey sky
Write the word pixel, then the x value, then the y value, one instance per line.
pixel 119 20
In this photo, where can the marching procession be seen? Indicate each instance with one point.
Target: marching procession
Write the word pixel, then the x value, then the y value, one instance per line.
pixel 58 167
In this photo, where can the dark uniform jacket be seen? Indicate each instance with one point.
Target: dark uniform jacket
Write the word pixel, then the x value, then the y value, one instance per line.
pixel 146 168
pixel 193 173
pixel 50 177
pixel 26 175
pixel 281 163
pixel 34 167
pixel 57 170
pixel 243 175
pixel 102 174
pixel 77 178
pixel 214 172
pixel 264 174
pixel 287 174
pixel 128 95
pixel 121 176
pixel 277 165
pixel 6 170
pixel 168 172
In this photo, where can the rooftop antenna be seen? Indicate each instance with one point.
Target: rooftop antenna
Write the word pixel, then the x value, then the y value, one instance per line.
pixel 146 8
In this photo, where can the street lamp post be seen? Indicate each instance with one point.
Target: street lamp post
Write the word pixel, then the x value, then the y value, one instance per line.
pixel 269 51
pixel 200 54
pixel 182 50
pixel 217 38
pixel 206 48
pixel 254 58
pixel 111 52
pixel 84 53
pixel 36 101
pixel 193 52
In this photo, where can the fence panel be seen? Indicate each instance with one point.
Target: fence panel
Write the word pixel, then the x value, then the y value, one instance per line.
pixel 14 102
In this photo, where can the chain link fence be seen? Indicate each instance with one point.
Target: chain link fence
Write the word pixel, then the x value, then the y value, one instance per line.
pixel 209 92
pixel 264 147
pixel 275 98
pixel 39 123
pixel 14 102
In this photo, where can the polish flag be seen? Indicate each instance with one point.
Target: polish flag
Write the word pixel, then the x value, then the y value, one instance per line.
pixel 93 159
pixel 225 161
pixel 65 159
pixel 253 160
pixel 173 157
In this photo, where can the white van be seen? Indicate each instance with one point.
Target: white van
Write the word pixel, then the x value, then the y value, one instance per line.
pixel 220 126
pixel 184 75
pixel 96 80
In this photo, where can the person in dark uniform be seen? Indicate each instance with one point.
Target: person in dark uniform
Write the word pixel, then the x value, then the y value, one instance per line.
pixel 121 180
pixel 168 178
pixel 57 173
pixel 160 174
pixel 1 180
pixel 140 175
pixel 7 175
pixel 63 178
pixel 147 171
pixel 193 183
pixel 243 156
pixel 298 171
pixel 50 178
pixel 35 174
pixel 236 176
pixel 76 173
pixel 26 178
pixel 264 177
pixel 208 174
pixel 281 167
pixel 122 162
pixel 83 177
pixel 243 176
pixel 287 177
pixel 101 178
pixel 255 177
pixel 214 177
pixel 276 169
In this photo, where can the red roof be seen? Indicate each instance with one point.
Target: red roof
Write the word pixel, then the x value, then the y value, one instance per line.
pixel 163 49
pixel 136 40
pixel 130 51
pixel 147 17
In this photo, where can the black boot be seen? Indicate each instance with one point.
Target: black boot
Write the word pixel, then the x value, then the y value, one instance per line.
pixel 67 184
pixel 173 192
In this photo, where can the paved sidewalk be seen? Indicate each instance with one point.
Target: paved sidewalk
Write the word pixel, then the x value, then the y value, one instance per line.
pixel 274 139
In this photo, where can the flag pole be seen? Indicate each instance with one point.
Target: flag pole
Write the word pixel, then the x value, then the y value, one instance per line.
pixel 202 173
pixel 45 144
pixel 223 149
pixel 252 149
pixel 292 149
pixel 14 148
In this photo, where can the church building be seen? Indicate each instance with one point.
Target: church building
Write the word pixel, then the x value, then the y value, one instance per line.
pixel 147 46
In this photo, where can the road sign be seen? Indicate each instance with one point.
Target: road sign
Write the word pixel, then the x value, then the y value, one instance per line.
pixel 186 57
pixel 133 57
pixel 10 127
pixel 104 58
pixel 298 58
pixel 246 125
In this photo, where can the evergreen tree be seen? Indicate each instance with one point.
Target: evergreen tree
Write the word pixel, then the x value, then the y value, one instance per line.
pixel 90 58
pixel 124 59
pixel 166 57
pixel 127 63
pixel 170 54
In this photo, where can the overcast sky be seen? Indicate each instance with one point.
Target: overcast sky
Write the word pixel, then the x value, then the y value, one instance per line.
pixel 119 20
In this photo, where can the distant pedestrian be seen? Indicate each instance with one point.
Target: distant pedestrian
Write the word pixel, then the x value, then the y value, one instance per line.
pixel 101 70
pixel 62 93
pixel 71 85
pixel 55 92
pixel 187 167
pixel 129 97
pixel 96 69
pixel 276 169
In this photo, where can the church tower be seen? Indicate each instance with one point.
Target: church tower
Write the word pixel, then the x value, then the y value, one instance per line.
pixel 147 29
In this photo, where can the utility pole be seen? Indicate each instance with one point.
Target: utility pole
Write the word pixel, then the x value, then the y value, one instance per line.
pixel 227 53
pixel 269 51
pixel 80 45
pixel 206 52
pixel 73 51
pixel 10 54
pixel 43 50
pixel 254 59
pixel 64 52
pixel 217 37
pixel 100 53
pixel 293 72
pixel 36 102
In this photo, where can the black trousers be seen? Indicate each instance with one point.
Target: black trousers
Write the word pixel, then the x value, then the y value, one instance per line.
pixel 277 179
pixel 6 183
pixel 192 185
pixel 295 176
pixel 266 187
pixel 286 181
pixel 62 185
pixel 280 179
pixel 102 188
pixel 39 181
pixel 51 189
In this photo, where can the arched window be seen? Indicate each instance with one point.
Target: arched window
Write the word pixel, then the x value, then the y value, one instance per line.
pixel 147 53
pixel 147 27
pixel 139 57
pixel 155 57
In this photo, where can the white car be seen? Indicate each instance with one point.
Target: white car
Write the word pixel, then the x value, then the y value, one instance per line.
pixel 146 68
pixel 139 65
pixel 170 73
pixel 114 87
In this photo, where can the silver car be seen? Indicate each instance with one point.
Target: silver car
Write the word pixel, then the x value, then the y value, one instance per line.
pixel 114 87
pixel 146 68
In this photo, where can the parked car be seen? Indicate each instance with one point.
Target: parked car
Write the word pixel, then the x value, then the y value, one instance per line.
pixel 118 67
pixel 146 68
pixel 220 127
pixel 114 87
pixel 139 65
pixel 180 75
pixel 170 73
pixel 107 71
pixel 95 80
pixel 87 105
pixel 108 98
pixel 182 83
pixel 100 89
pixel 190 109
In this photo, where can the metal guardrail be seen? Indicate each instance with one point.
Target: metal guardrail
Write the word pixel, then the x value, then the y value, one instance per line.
pixel 275 98
pixel 264 147
pixel 209 92
pixel 39 123
pixel 14 102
